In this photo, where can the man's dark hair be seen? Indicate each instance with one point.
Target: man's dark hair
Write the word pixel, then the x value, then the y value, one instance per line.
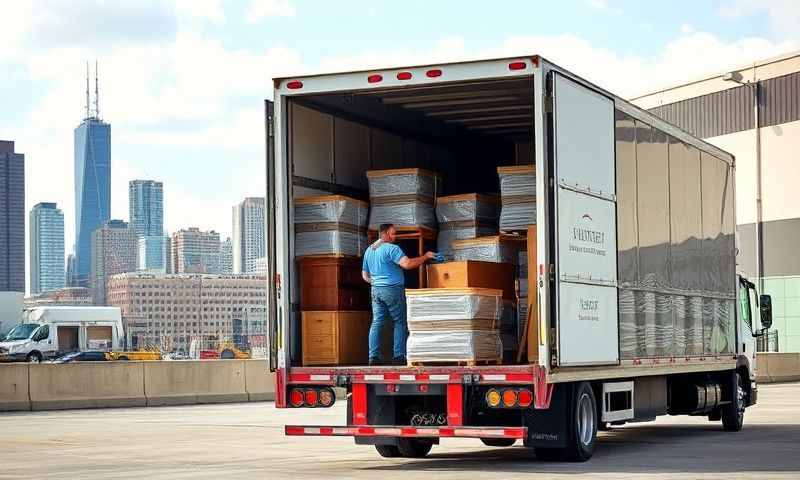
pixel 384 227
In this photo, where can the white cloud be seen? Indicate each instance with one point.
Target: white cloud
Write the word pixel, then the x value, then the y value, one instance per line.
pixel 260 9
pixel 603 5
pixel 201 9
pixel 784 15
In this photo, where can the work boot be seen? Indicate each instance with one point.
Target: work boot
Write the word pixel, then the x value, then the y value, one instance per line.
pixel 375 362
pixel 399 361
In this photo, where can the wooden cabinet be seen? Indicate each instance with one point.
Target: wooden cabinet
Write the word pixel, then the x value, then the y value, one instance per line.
pixel 474 274
pixel 341 338
pixel 332 283
pixel 335 338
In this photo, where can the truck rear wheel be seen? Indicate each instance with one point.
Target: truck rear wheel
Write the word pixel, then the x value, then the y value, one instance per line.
pixel 388 451
pixel 582 430
pixel 414 447
pixel 733 412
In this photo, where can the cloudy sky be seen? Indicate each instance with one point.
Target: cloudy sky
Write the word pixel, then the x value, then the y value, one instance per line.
pixel 182 81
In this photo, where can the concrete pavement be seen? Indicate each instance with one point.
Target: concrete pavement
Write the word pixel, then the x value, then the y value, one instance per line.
pixel 246 441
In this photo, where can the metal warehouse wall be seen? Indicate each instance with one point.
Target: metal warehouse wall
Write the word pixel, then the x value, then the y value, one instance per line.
pixel 731 110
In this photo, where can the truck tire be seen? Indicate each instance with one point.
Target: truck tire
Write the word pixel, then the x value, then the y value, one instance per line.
pixel 733 412
pixel 414 447
pixel 227 354
pixel 582 428
pixel 123 358
pixel 388 451
pixel 499 442
pixel 34 357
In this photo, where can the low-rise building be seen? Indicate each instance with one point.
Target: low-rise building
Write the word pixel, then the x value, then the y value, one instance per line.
pixel 69 296
pixel 168 311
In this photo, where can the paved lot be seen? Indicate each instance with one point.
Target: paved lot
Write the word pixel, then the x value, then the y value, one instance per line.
pixel 246 441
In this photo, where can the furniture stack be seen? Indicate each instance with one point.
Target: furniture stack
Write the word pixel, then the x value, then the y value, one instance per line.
pixel 465 216
pixel 330 225
pixel 517 197
pixel 454 325
pixel 335 310
pixel 404 197
pixel 330 237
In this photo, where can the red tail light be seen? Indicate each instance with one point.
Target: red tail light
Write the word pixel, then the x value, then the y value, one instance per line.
pixel 311 398
pixel 374 78
pixel 524 398
pixel 404 76
pixel 517 66
pixel 433 73
pixel 296 398
pixel 294 85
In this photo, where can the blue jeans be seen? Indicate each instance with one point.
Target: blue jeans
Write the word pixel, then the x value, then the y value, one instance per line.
pixel 388 301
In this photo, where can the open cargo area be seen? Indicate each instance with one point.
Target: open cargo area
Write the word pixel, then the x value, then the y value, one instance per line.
pixel 397 152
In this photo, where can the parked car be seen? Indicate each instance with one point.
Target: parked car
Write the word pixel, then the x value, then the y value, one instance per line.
pixel 88 356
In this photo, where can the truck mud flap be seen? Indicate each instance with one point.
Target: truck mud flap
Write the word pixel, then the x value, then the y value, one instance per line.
pixel 548 428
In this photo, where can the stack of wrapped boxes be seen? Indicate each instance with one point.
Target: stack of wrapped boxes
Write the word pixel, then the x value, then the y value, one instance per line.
pixel 454 325
pixel 404 197
pixel 518 197
pixel 464 216
pixel 330 225
pixel 330 236
pixel 498 249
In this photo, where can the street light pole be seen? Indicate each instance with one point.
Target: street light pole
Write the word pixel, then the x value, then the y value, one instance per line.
pixel 756 89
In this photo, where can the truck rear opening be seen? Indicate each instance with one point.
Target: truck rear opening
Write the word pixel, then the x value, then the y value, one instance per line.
pixel 597 339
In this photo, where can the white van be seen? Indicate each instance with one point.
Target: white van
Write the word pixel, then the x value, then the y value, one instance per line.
pixel 47 332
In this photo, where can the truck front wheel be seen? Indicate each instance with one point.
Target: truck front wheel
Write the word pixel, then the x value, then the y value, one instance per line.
pixel 733 412
pixel 34 357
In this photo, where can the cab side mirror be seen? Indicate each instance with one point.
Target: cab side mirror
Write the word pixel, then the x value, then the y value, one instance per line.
pixel 765 304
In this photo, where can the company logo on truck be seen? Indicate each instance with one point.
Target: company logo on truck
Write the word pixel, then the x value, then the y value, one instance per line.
pixel 587 239
pixel 589 309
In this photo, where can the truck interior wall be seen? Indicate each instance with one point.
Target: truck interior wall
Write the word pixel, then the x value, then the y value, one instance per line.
pixel 334 139
pixel 676 256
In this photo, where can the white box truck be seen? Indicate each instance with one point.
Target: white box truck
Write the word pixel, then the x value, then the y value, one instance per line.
pixel 642 316
pixel 48 332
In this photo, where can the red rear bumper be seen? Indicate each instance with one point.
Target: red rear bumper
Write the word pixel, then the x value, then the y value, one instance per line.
pixel 405 431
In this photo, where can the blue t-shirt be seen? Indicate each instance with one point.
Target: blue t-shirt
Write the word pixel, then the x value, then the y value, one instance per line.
pixel 382 265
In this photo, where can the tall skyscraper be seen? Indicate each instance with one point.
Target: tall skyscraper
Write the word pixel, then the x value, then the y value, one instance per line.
pixel 249 240
pixel 46 222
pixel 195 251
pixel 114 250
pixel 226 257
pixel 12 219
pixel 92 184
pixel 146 207
pixel 153 253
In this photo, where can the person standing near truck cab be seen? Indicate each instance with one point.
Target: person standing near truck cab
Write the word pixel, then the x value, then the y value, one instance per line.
pixel 382 268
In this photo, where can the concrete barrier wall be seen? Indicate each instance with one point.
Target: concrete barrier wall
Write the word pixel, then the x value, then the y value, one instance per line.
pixel 86 385
pixel 14 387
pixel 778 367
pixel 119 384
pixel 259 382
pixel 26 386
pixel 194 381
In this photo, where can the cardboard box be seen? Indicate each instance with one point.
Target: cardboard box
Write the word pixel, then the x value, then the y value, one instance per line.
pixel 473 274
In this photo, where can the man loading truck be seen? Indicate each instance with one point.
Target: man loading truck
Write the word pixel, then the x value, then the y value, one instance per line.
pixel 382 268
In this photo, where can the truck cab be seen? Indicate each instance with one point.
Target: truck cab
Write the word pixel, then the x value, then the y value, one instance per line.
pixel 31 342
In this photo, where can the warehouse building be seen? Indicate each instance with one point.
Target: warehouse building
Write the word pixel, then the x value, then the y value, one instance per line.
pixel 723 109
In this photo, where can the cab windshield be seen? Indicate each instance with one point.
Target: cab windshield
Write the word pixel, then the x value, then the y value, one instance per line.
pixel 22 331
